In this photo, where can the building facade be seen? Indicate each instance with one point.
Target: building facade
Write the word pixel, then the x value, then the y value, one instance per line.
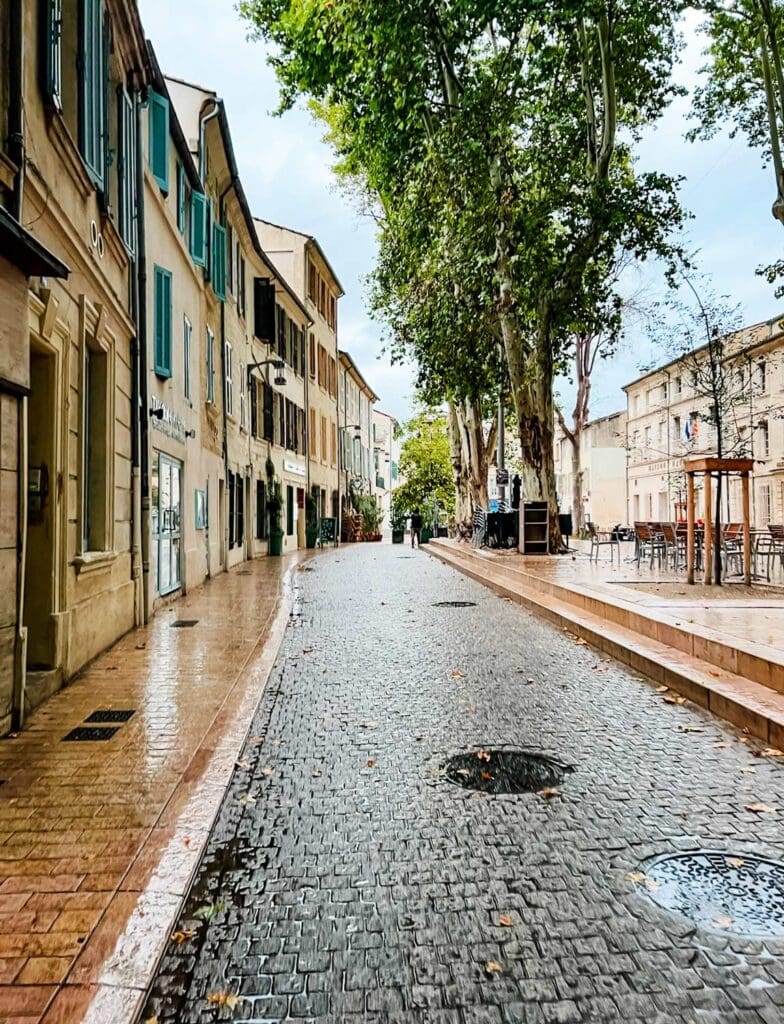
pixel 386 459
pixel 355 414
pixel 670 418
pixel 305 266
pixel 602 470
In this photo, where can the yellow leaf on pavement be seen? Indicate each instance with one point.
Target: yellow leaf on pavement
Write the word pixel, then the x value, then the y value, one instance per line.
pixel 636 877
pixel 505 920
pixel 493 968
pixel 182 936
pixel 736 862
pixel 549 792
pixel 761 808
pixel 223 999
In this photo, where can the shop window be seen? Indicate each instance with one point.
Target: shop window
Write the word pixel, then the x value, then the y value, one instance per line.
pixel 290 510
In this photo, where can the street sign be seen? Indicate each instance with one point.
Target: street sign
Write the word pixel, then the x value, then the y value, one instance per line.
pixel 502 477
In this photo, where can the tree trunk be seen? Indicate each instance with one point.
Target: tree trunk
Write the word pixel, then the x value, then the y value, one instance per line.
pixel 463 509
pixel 471 453
pixel 578 517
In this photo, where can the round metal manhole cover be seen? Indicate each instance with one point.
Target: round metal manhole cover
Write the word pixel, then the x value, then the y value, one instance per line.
pixel 741 895
pixel 455 604
pixel 504 771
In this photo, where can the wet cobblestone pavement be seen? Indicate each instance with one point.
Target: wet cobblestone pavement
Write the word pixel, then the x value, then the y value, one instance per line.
pixel 348 880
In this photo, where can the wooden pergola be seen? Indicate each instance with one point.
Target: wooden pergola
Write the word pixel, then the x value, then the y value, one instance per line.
pixel 708 468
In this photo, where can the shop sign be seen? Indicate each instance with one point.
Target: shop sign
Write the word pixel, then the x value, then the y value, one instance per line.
pixel 293 467
pixel 166 421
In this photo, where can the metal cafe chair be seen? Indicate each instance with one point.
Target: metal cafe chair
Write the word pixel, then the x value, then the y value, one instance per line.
pixel 603 538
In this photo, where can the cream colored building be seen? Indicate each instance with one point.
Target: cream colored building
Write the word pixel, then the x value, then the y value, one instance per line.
pixel 71 180
pixel 355 411
pixel 304 264
pixel 386 459
pixel 602 469
pixel 667 423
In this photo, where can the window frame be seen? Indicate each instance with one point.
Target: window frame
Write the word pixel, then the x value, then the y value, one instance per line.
pixel 162 331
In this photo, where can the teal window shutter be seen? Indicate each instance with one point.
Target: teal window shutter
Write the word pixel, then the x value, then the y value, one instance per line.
pixel 159 139
pixel 126 169
pixel 162 331
pixel 93 90
pixel 198 228
pixel 52 57
pixel 218 261
pixel 180 196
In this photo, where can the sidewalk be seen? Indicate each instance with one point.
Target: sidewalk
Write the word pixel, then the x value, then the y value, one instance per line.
pixel 99 840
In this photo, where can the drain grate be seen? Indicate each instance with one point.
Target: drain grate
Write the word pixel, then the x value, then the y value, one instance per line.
pixel 95 732
pixel 244 572
pixel 184 623
pixel 110 715
pixel 504 771
pixel 738 894
pixel 455 604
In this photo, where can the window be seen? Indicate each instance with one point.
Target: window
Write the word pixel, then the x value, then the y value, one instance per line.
pixel 294 345
pixel 678 385
pixel 764 439
pixel 676 428
pixel 126 170
pixel 180 197
pixel 218 261
pixel 313 437
pixel 241 285
pixel 229 388
pixel 313 355
pixel 662 431
pixel 281 420
pixel 230 274
pixel 253 391
pixel 162 314
pixel 762 375
pixel 268 413
pixel 242 394
pixel 236 490
pixel 187 333
pixel 52 59
pixel 210 366
pixel 199 228
pixel 647 437
pixel 290 511
pixel 312 283
pixel 93 82
pixel 334 445
pixel 159 139
pixel 766 503
pixel 324 439
pixel 281 333
pixel 636 405
pixel 95 450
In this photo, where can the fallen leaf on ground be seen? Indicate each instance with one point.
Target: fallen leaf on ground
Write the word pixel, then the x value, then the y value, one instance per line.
pixel 183 936
pixel 669 699
pixel 470 711
pixel 505 920
pixel 736 862
pixel 580 642
pixel 662 689
pixel 650 884
pixel 486 776
pixel 493 968
pixel 268 771
pixel 140 647
pixel 772 752
pixel 457 674
pixel 747 768
pixel 242 764
pixel 483 755
pixel 690 728
pixel 246 798
pixel 636 877
pixel 549 792
pixel 418 738
pixel 223 999
pixel 368 725
pixel 308 650
pixel 277 743
pixel 371 763
pixel 761 808
pixel 315 775
pixel 463 771
pixel 151 1020
pixel 722 921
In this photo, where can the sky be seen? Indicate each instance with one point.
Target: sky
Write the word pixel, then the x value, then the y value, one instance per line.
pixel 286 171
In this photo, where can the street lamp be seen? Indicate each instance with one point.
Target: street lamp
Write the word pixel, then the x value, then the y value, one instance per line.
pixel 279 365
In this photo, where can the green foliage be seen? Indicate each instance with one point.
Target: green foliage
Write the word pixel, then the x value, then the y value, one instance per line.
pixel 370 512
pixel 425 464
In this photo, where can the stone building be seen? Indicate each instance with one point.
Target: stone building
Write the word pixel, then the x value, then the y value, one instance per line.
pixel 602 470
pixel 355 414
pixel 669 419
pixel 305 266
pixel 386 459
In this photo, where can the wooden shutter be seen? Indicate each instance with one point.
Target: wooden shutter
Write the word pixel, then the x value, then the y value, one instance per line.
pixel 218 261
pixel 159 139
pixel 254 408
pixel 52 61
pixel 180 196
pixel 93 90
pixel 163 322
pixel 281 332
pixel 268 412
pixel 198 228
pixel 126 169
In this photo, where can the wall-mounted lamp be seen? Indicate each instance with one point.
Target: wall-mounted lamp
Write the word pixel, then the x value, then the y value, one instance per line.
pixel 190 433
pixel 157 413
pixel 280 366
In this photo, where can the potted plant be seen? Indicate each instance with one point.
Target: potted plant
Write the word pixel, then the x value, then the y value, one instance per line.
pixel 428 516
pixel 274 510
pixel 371 517
pixel 398 524
pixel 311 521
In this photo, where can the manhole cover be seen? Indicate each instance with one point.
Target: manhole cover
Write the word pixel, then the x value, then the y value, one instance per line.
pixel 743 895
pixel 455 604
pixel 504 771
pixel 94 732
pixel 184 624
pixel 110 715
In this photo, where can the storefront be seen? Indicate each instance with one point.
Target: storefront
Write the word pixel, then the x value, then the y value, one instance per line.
pixel 166 523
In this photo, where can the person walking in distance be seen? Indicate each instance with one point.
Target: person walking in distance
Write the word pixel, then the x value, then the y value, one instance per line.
pixel 416 527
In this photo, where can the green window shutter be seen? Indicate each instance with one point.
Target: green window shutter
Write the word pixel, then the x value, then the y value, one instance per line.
pixel 180 197
pixel 159 139
pixel 126 169
pixel 198 228
pixel 92 89
pixel 218 261
pixel 162 332
pixel 51 64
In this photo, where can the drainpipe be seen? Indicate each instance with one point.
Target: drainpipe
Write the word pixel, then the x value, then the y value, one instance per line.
pixel 20 653
pixel 143 409
pixel 137 567
pixel 225 417
pixel 16 140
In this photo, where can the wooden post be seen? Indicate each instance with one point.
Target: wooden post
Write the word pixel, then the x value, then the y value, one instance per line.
pixel 707 553
pixel 746 530
pixel 689 527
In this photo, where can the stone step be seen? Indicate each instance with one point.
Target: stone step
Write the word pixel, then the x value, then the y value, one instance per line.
pixel 742 701
pixel 754 662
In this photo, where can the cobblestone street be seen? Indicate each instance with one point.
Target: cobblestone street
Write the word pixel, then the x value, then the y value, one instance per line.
pixel 347 880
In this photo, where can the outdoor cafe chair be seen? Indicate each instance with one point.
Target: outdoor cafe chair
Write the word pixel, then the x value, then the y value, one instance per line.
pixel 649 542
pixel 603 538
pixel 674 544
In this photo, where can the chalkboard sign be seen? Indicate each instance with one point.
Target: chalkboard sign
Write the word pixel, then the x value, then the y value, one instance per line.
pixel 501 477
pixel 328 530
